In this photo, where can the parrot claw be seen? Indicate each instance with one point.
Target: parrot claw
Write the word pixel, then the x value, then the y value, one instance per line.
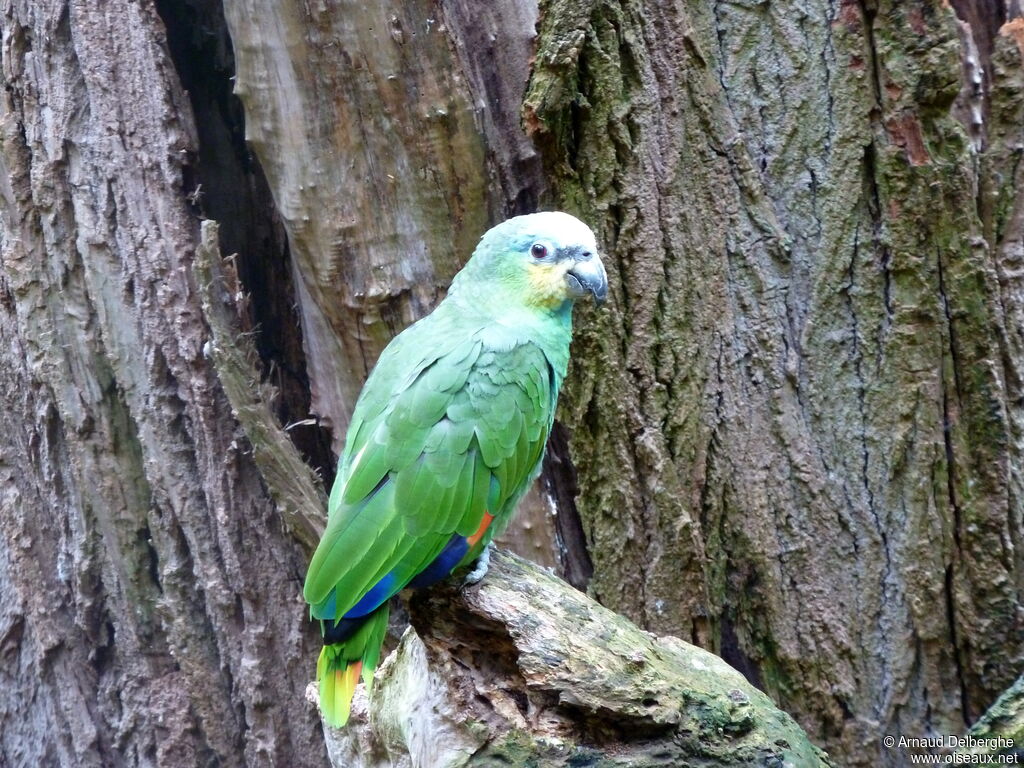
pixel 480 569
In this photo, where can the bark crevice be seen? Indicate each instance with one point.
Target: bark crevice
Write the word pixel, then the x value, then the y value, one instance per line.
pixel 224 182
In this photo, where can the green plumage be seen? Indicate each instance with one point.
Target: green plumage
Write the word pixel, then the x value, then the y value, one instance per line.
pixel 419 459
pixel 450 427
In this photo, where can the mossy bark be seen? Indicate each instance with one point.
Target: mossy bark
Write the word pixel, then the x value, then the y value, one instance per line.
pixel 797 430
pixel 525 670
pixel 1000 731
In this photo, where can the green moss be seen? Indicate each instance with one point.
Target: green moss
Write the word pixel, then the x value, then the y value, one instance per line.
pixel 1005 719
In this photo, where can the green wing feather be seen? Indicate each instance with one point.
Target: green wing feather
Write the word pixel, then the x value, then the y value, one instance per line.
pixel 449 426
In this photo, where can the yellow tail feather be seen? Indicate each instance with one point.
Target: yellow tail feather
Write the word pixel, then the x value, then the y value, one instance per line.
pixel 337 684
pixel 341 663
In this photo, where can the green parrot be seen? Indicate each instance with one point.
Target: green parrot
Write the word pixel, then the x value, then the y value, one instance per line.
pixel 446 436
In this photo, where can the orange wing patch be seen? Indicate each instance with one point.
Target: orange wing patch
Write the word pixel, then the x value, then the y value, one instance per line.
pixel 484 525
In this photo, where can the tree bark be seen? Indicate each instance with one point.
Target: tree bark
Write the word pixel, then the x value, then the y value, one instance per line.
pixel 1000 731
pixel 793 438
pixel 798 428
pixel 149 593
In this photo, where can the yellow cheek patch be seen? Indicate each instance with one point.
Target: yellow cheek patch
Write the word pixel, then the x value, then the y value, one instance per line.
pixel 547 283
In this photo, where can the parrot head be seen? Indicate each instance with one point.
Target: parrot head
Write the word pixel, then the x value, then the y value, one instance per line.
pixel 546 260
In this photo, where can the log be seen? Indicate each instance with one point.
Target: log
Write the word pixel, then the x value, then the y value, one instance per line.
pixel 522 669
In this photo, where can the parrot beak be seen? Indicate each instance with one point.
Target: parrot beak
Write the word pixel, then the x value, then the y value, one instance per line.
pixel 588 276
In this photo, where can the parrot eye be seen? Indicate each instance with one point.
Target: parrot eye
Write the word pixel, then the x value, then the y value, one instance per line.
pixel 539 250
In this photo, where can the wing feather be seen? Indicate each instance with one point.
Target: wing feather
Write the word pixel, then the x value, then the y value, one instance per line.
pixel 460 435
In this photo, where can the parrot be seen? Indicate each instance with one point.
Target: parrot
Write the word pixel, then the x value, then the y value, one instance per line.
pixel 447 434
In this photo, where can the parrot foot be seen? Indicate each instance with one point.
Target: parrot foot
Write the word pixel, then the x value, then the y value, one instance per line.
pixel 480 569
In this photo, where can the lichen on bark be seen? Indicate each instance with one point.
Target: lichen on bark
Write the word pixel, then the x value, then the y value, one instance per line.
pixel 1000 731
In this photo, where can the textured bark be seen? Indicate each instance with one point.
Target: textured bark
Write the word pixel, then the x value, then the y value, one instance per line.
pixel 809 382
pixel 148 592
pixel 524 670
pixel 795 433
pixel 295 489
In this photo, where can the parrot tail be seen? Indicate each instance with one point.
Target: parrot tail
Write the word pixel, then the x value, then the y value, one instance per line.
pixel 344 659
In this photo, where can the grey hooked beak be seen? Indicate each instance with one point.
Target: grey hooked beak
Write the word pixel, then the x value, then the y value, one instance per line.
pixel 588 276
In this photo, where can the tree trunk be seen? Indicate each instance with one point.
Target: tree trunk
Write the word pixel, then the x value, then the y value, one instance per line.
pixel 149 596
pixel 1000 731
pixel 794 437
pixel 798 431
